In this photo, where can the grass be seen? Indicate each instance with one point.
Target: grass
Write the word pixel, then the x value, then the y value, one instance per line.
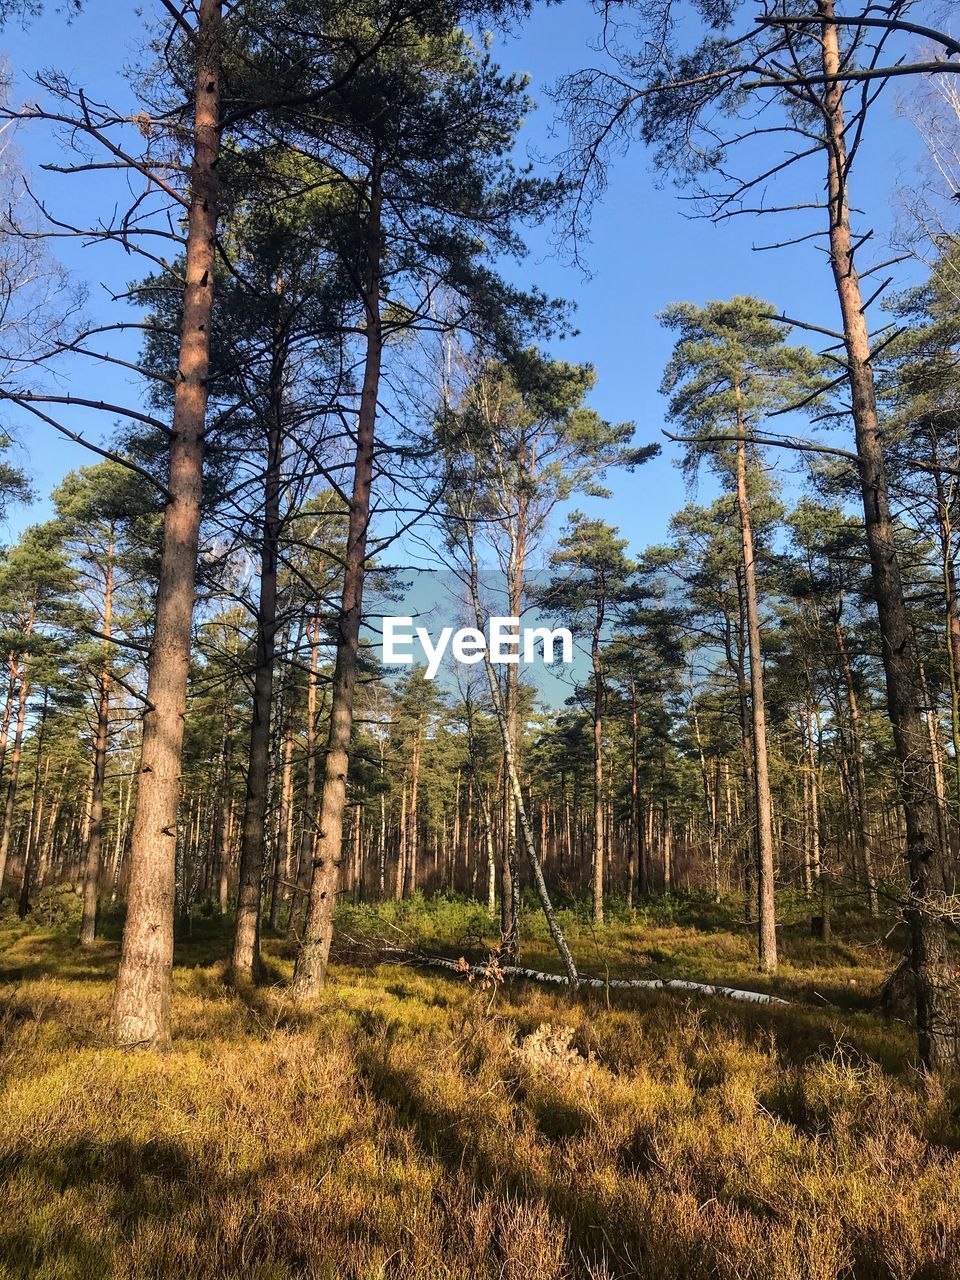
pixel 416 1126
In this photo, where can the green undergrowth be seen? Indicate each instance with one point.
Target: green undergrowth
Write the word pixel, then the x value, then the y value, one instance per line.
pixel 416 1125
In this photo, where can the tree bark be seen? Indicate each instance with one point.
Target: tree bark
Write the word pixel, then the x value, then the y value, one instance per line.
pixel 413 817
pixel 513 783
pixel 14 871
pixel 767 924
pixel 141 1001
pixel 736 661
pixel 308 834
pixel 31 855
pixel 314 953
pixel 936 990
pixel 245 964
pixel 91 869
pixel 284 845
pixel 599 830
pixel 864 837
pixel 709 800
pixel 8 705
pixel 635 855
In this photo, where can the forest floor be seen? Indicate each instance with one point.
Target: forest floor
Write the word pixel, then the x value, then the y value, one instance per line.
pixel 417 1126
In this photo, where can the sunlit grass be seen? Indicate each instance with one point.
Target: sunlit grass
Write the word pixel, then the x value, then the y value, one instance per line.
pixel 415 1125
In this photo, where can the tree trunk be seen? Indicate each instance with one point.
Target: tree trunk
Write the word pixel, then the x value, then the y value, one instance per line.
pixel 932 718
pixel 767 928
pixel 510 871
pixel 311 964
pixel 636 832
pixel 951 612
pixel 864 838
pixel 91 868
pixel 246 945
pixel 8 705
pixel 413 818
pixel 285 833
pixel 141 1001
pixel 31 850
pixel 936 990
pixel 736 661
pixel 309 830
pixel 709 799
pixel 382 832
pixel 225 817
pixel 14 871
pixel 513 783
pixel 599 829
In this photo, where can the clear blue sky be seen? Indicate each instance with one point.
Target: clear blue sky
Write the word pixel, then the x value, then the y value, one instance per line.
pixel 644 251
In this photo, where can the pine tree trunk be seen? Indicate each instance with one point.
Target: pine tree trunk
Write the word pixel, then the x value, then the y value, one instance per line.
pixel 31 851
pixel 246 945
pixel 46 847
pixel 314 953
pixel 382 834
pixel 14 871
pixel 736 661
pixel 141 1002
pixel 864 837
pixel 807 827
pixel 636 831
pixel 8 705
pixel 767 930
pixel 599 828
pixel 815 792
pixel 710 808
pixel 308 834
pixel 225 817
pixel 401 868
pixel 413 819
pixel 91 869
pixel 283 839
pixel 938 1008
pixel 951 610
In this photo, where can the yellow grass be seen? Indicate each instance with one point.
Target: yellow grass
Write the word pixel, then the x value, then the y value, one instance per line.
pixel 416 1126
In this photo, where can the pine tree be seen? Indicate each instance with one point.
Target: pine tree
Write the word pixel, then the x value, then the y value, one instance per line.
pixel 591 587
pixel 729 370
pixel 421 137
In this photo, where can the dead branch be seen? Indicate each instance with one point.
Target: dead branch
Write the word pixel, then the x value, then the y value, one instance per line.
pixel 510 972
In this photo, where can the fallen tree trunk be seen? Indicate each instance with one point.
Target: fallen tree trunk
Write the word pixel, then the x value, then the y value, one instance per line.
pixel 510 971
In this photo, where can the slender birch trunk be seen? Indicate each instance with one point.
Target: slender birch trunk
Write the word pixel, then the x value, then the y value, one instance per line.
pixel 513 783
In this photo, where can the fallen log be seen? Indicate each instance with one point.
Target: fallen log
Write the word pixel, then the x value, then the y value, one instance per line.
pixel 510 971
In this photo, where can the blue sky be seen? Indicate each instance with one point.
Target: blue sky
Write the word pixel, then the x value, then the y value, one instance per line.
pixel 644 252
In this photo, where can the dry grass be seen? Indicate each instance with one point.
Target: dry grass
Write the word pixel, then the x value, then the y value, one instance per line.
pixel 413 1127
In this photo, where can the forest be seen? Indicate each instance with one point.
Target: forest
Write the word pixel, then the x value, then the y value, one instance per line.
pixel 630 954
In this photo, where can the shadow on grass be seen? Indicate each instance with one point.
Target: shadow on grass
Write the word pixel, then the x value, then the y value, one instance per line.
pixel 165 1183
pixel 599 1237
